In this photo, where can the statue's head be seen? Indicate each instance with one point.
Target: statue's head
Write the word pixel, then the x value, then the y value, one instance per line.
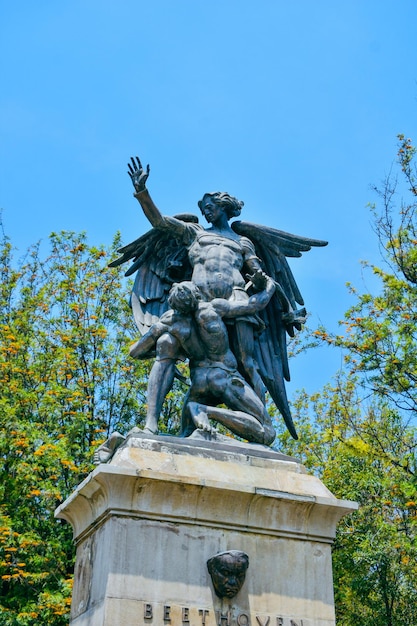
pixel 184 297
pixel 228 571
pixel 221 199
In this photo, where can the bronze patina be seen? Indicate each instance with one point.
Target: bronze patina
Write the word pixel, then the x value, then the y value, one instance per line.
pixel 223 297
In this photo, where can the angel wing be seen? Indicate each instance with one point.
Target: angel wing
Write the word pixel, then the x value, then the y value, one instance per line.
pixel 159 260
pixel 272 247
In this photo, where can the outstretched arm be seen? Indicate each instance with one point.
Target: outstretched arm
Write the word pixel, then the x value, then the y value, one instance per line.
pixel 256 303
pixel 139 176
pixel 290 316
pixel 259 300
pixel 141 349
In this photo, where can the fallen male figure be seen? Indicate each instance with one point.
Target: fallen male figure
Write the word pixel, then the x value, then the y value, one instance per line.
pixel 195 329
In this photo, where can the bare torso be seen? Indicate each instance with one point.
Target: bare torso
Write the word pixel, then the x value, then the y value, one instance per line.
pixel 217 262
pixel 183 328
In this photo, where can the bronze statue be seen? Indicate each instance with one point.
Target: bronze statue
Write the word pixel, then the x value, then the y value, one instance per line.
pixel 195 328
pixel 220 260
pixel 228 571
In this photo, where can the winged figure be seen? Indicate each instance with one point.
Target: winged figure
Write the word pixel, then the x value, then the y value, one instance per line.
pixel 220 260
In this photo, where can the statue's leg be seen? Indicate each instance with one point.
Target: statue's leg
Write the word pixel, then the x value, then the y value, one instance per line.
pixel 242 424
pixel 161 379
pixel 187 423
pixel 250 414
pixel 199 413
pixel 244 348
pixel 196 393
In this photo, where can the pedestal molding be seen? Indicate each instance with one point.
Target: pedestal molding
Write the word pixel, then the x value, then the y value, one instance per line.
pixel 146 524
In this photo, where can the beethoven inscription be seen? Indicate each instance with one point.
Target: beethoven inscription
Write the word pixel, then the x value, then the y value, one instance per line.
pixel 192 616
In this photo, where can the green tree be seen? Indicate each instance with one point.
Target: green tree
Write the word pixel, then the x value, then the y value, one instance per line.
pixel 359 433
pixel 66 383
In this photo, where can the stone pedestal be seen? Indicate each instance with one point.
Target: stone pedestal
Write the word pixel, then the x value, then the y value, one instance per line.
pixel 146 523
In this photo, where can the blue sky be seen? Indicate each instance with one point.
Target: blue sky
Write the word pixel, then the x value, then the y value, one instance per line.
pixel 293 107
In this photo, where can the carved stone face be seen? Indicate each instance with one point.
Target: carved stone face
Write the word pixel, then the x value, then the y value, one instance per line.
pixel 227 571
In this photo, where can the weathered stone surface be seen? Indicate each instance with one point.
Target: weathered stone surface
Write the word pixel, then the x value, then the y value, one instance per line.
pixel 146 524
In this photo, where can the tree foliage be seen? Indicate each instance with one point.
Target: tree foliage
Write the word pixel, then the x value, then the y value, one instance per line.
pixel 66 383
pixel 359 433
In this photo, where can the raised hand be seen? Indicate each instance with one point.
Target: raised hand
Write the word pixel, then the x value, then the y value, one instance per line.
pixel 258 279
pixel 137 174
